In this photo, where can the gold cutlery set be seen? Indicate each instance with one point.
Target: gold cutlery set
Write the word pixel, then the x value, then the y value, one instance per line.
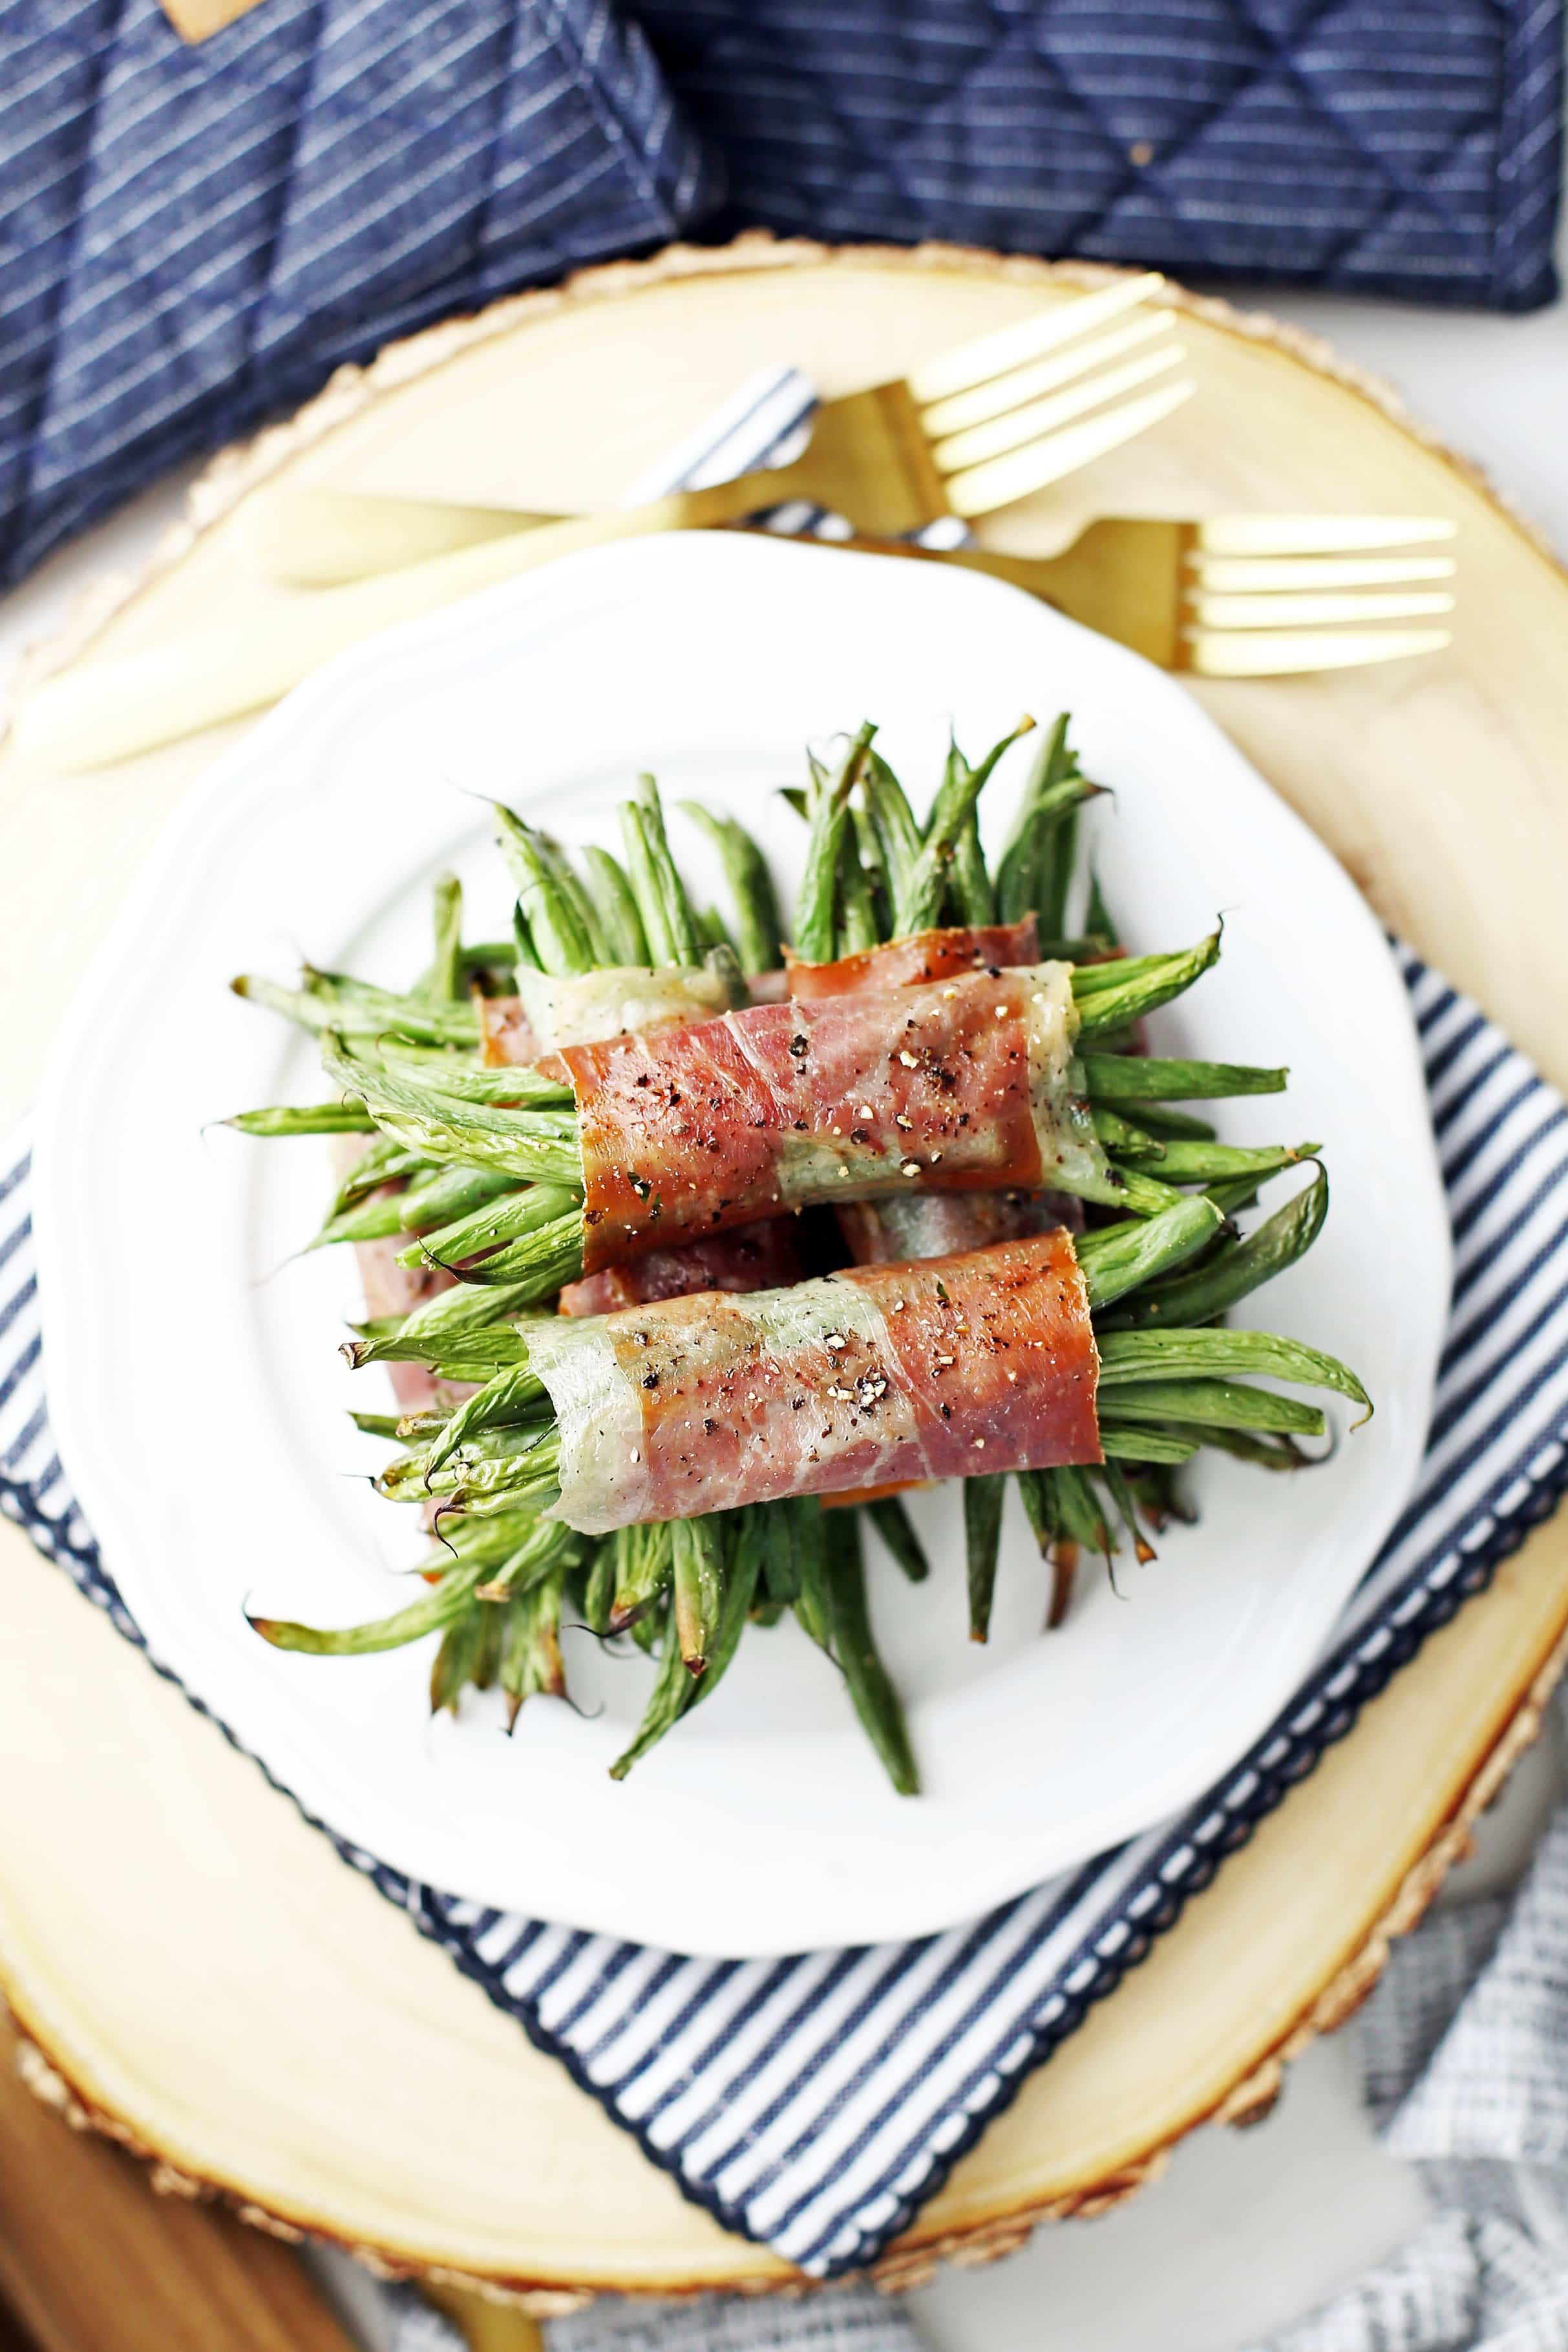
pixel 963 435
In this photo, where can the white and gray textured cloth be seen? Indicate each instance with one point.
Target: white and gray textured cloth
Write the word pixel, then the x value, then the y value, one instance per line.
pixel 1465 2057
pixel 1464 2050
pixel 837 2319
pixel 844 2319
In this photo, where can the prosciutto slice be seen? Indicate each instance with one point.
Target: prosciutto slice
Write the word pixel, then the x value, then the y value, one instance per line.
pixel 934 1225
pixel 617 1001
pixel 750 1258
pixel 923 957
pixel 573 1009
pixel 507 1034
pixel 754 1257
pixel 392 1289
pixel 764 1256
pixel 506 1039
pixel 966 1086
pixel 938 1225
pixel 874 1376
pixel 931 1224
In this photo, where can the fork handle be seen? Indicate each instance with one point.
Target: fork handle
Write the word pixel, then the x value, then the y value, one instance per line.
pixel 321 539
pixel 311 537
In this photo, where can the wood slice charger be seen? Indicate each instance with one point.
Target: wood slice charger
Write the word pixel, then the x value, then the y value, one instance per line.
pixel 192 1960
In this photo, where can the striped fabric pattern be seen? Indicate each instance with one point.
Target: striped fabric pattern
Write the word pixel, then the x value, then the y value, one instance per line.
pixel 1406 146
pixel 815 2101
pixel 196 235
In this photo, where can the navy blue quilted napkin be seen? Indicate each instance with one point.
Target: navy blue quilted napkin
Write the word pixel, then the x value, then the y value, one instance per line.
pixel 815 2102
pixel 192 236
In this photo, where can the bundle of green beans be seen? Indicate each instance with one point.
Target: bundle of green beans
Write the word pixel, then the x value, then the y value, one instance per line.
pixel 509 1218
pixel 502 1574
pixel 436 1105
pixel 873 873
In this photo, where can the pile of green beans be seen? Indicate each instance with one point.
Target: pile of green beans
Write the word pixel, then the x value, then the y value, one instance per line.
pixel 479 1170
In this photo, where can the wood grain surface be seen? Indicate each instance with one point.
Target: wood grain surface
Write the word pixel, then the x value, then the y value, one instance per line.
pixel 268 2023
pixel 92 2259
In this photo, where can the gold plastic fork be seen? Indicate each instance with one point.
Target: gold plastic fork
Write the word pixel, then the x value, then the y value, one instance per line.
pixel 962 434
pixel 1246 595
pixel 895 458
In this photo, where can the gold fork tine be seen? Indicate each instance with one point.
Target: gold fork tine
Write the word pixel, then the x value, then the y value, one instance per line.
pixel 1122 577
pixel 965 450
pixel 1009 347
pixel 1314 612
pixel 999 394
pixel 1284 653
pixel 1243 574
pixel 1022 471
pixel 1316 534
pixel 868 452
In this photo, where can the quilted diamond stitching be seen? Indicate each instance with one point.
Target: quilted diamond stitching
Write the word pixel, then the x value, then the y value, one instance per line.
pixel 712 51
pixel 1273 55
pixel 1327 112
pixel 179 314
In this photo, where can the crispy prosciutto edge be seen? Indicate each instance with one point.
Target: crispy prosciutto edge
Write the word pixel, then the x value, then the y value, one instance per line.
pixel 879 1375
pixel 764 1256
pixel 911 962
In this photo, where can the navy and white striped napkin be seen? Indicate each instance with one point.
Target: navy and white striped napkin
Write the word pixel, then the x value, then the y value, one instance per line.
pixel 815 2102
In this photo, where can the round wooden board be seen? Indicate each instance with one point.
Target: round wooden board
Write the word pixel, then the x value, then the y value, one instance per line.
pixel 196 1964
